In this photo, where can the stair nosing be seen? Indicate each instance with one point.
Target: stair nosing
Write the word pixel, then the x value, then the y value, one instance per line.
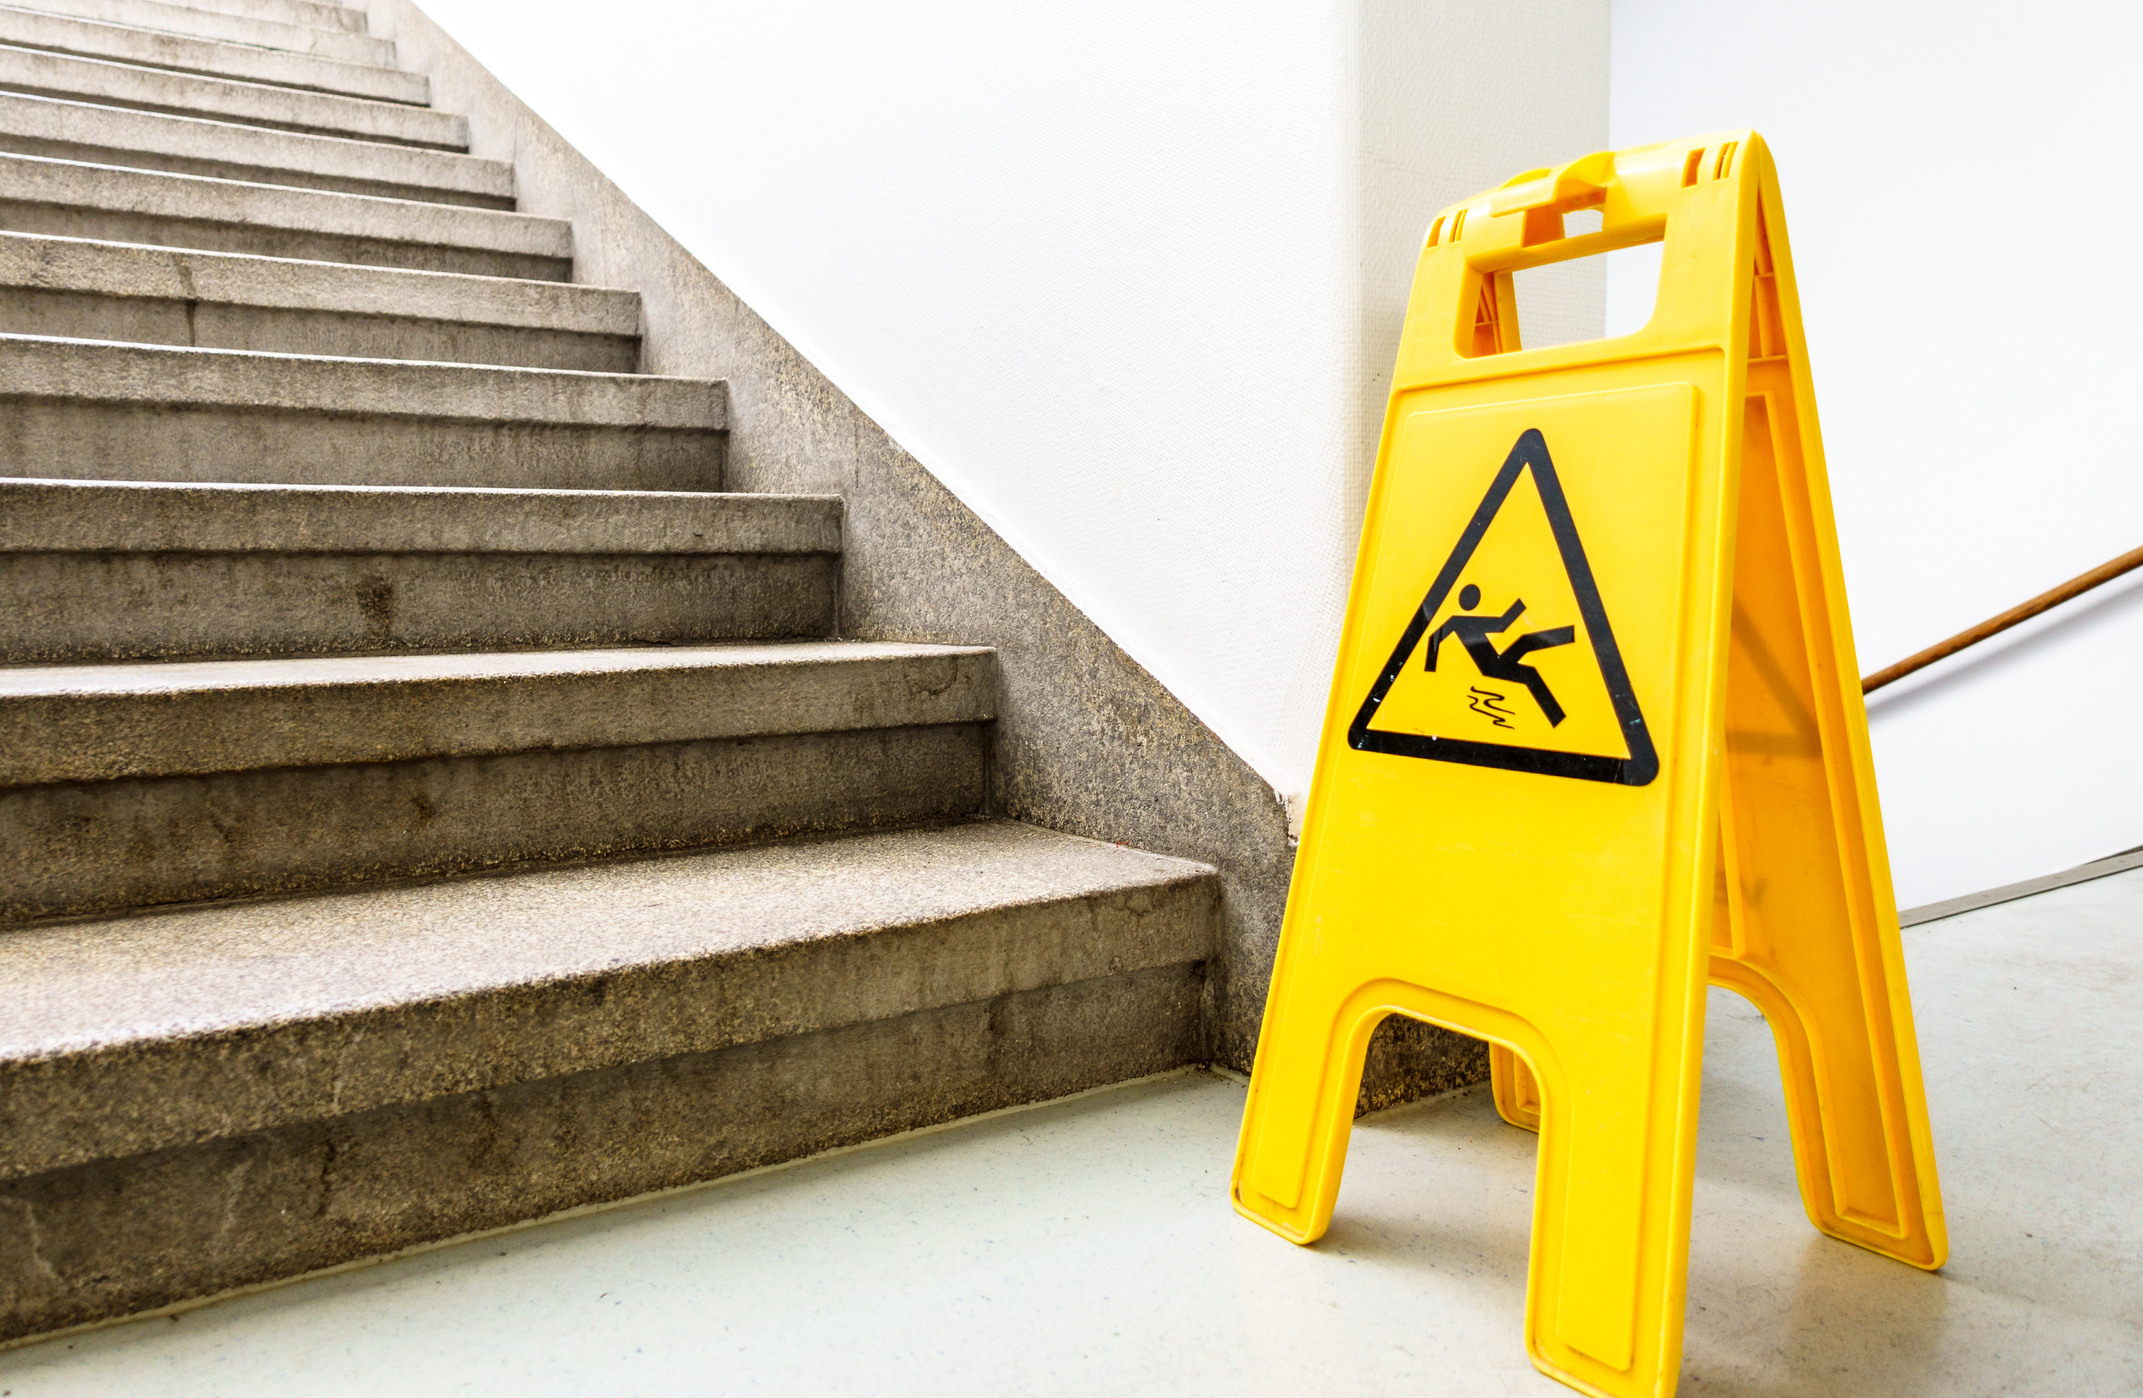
pixel 111 517
pixel 587 309
pixel 556 233
pixel 205 65
pixel 366 38
pixel 178 718
pixel 363 17
pixel 356 673
pixel 977 924
pixel 484 177
pixel 460 145
pixel 356 387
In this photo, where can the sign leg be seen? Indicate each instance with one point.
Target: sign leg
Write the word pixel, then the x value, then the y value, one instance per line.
pixel 1301 1106
pixel 1813 938
pixel 1611 1224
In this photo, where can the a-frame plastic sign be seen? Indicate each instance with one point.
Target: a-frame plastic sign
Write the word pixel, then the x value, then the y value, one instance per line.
pixel 1595 738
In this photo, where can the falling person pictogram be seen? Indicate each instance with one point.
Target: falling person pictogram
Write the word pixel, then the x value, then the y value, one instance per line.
pixel 1473 633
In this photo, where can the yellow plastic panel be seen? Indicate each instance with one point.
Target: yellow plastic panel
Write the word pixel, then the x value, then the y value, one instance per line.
pixel 1595 737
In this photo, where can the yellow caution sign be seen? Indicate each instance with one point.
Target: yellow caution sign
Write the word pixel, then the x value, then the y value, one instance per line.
pixel 1595 738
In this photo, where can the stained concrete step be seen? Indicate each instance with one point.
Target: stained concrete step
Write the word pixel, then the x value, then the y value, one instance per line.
pixel 200 1099
pixel 337 42
pixel 77 200
pixel 44 74
pixel 306 12
pixel 89 410
pixel 37 29
pixel 90 290
pixel 98 571
pixel 98 135
pixel 132 785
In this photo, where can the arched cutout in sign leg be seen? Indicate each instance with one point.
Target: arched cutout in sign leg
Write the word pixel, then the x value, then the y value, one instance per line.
pixel 1596 739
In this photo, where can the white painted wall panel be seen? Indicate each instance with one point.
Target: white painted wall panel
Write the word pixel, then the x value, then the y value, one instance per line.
pixel 1961 227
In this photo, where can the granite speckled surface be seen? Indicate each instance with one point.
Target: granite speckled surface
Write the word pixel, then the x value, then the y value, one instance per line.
pixel 116 570
pixel 151 517
pixel 88 847
pixel 193 1221
pixel 79 267
pixel 94 723
pixel 138 1033
pixel 43 368
pixel 79 607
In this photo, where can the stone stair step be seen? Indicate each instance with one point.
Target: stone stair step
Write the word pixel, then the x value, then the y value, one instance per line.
pixel 336 42
pixel 40 73
pixel 37 29
pixel 98 571
pixel 198 1099
pixel 306 12
pixel 132 785
pixel 68 198
pixel 83 289
pixel 89 410
pixel 98 135
pixel 96 723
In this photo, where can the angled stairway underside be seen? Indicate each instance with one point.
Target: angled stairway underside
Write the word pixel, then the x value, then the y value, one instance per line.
pixel 484 727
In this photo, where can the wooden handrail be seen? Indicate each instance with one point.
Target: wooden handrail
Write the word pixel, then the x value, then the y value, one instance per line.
pixel 1994 625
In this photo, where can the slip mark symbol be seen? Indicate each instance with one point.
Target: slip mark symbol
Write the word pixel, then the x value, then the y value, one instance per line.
pixel 1489 705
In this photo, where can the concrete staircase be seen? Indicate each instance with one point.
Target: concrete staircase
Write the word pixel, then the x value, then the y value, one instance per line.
pixel 427 801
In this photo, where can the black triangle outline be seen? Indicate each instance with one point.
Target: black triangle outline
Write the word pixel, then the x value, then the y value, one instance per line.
pixel 1640 767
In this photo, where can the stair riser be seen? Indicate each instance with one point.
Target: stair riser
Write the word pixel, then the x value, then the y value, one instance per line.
pixel 123 1236
pixel 101 846
pixel 62 34
pixel 338 43
pixel 274 330
pixel 103 517
pixel 69 608
pixel 37 73
pixel 60 440
pixel 15 143
pixel 118 225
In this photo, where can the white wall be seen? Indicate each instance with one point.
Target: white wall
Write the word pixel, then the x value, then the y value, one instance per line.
pixel 1126 276
pixel 1963 214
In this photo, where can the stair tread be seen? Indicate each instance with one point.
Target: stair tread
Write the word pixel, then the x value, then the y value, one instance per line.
pixel 47 516
pixel 104 722
pixel 96 39
pixel 119 83
pixel 125 130
pixel 102 267
pixel 135 1032
pixel 158 17
pixel 201 198
pixel 48 367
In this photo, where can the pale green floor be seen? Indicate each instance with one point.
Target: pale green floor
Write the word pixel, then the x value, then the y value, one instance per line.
pixel 1088 1247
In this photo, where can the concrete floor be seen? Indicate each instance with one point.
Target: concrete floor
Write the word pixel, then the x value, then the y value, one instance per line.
pixel 1087 1246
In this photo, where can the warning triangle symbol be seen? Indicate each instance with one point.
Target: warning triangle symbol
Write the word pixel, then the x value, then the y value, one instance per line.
pixel 1510 661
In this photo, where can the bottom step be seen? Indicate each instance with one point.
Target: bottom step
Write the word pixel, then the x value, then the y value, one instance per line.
pixel 201 1099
